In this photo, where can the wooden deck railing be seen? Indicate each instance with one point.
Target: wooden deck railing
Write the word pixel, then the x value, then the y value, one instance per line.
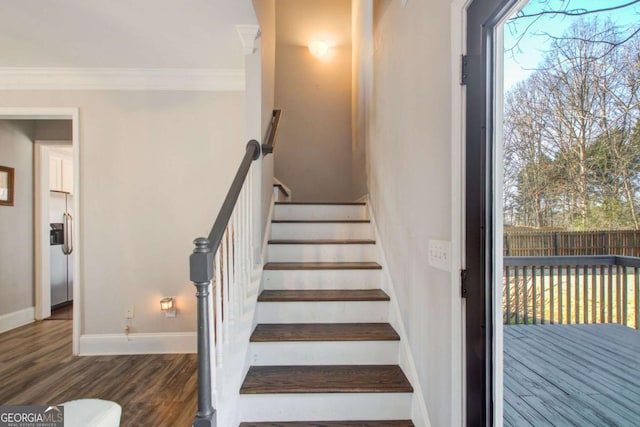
pixel 572 289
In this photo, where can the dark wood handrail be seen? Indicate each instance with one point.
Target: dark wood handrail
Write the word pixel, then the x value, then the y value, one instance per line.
pixel 272 130
pixel 201 274
pixel 282 189
pixel 219 226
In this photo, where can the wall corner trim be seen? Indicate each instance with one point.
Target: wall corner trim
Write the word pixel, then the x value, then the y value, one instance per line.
pixel 42 78
pixel 248 36
pixel 138 343
pixel 16 319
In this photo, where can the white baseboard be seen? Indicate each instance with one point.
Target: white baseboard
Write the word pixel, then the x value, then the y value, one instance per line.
pixel 17 318
pixel 364 198
pixel 419 412
pixel 154 343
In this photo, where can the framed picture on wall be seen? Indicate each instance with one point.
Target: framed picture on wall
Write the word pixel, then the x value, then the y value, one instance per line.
pixel 6 186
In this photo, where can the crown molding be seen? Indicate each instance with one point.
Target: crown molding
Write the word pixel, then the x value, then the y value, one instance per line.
pixel 248 36
pixel 221 80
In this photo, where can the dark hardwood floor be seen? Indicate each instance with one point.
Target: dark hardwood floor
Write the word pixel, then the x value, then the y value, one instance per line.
pixel 36 367
pixel 62 313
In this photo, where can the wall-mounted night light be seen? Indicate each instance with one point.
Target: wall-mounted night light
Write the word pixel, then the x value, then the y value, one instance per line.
pixel 168 305
pixel 319 48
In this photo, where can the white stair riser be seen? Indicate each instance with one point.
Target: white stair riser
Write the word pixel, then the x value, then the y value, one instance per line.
pixel 326 212
pixel 324 353
pixel 322 253
pixel 326 406
pixel 319 230
pixel 323 312
pixel 321 279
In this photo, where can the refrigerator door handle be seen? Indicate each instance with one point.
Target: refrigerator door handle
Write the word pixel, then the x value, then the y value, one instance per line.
pixel 71 225
pixel 65 240
pixel 70 228
pixel 69 233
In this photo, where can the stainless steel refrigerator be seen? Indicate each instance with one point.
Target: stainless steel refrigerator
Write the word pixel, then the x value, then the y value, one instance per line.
pixel 61 239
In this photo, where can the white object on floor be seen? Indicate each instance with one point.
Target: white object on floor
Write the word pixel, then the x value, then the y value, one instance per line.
pixel 91 413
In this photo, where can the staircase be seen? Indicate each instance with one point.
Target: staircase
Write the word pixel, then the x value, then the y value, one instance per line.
pixel 322 353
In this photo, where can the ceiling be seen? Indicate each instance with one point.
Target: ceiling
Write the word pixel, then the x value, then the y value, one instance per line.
pixel 300 21
pixel 193 34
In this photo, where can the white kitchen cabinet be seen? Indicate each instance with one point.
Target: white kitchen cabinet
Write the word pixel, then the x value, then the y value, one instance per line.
pixel 67 175
pixel 60 171
pixel 55 173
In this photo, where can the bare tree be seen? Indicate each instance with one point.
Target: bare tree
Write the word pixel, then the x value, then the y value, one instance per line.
pixel 535 19
pixel 569 130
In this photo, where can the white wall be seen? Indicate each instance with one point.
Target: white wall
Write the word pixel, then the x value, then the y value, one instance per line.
pixel 155 167
pixel 361 85
pixel 16 222
pixel 58 130
pixel 409 148
pixel 266 13
pixel 313 157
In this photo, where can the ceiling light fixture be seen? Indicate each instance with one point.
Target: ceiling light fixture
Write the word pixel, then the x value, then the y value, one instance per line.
pixel 319 48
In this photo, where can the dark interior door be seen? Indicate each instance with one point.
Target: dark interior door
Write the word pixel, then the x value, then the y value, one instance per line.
pixel 482 18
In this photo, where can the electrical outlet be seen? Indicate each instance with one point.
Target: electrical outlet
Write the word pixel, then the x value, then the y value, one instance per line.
pixel 440 254
pixel 129 312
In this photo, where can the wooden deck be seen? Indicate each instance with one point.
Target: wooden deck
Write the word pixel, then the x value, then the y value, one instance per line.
pixel 580 375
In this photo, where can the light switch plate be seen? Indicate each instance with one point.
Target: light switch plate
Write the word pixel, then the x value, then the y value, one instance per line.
pixel 404 2
pixel 440 254
pixel 129 312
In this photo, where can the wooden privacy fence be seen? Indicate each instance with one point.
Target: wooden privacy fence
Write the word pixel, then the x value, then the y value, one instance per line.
pixel 560 243
pixel 572 289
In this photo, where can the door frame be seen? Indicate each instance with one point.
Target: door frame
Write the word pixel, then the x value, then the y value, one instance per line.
pixel 42 287
pixel 483 399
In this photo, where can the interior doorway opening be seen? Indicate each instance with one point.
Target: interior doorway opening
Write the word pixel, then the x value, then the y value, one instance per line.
pixel 55 195
pixel 53 134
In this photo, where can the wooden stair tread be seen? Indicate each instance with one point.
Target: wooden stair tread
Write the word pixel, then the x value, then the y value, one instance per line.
pixel 323 203
pixel 322 266
pixel 390 423
pixel 320 221
pixel 324 332
pixel 322 242
pixel 323 295
pixel 326 379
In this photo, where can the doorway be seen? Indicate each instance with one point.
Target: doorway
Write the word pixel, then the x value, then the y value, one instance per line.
pixel 42 229
pixel 556 293
pixel 54 194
